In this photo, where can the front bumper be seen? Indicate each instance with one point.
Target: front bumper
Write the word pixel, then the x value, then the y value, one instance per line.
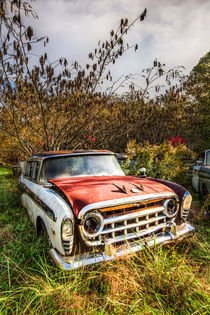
pixel 171 234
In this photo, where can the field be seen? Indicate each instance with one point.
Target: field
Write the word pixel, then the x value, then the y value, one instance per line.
pixel 163 280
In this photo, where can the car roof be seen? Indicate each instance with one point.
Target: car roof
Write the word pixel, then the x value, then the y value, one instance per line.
pixel 50 154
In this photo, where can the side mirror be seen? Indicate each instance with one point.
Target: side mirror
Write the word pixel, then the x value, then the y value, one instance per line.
pixel 143 171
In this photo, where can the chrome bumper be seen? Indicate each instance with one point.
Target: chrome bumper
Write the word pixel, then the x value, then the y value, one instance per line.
pixel 172 233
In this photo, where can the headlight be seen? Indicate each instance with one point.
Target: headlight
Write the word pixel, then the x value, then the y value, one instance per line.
pixel 92 225
pixel 171 207
pixel 187 200
pixel 67 230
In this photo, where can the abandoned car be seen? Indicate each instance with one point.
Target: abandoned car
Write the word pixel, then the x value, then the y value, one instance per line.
pixel 92 212
pixel 201 174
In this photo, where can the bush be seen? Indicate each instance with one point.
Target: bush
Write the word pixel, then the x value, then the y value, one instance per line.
pixel 162 161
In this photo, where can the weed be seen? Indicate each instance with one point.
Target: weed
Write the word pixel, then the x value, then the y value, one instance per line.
pixel 163 280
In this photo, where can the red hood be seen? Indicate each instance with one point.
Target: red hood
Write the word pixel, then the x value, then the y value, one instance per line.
pixel 82 191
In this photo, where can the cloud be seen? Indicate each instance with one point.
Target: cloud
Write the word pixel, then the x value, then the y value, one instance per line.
pixel 176 31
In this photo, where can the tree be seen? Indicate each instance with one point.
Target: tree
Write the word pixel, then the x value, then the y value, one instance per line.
pixel 198 92
pixel 40 107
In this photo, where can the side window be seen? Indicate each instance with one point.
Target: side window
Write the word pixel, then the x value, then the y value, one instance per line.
pixel 27 169
pixel 34 171
pixel 31 169
pixel 36 166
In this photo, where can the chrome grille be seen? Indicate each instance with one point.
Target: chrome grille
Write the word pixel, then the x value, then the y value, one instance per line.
pixel 133 208
pixel 125 227
pixel 136 217
pixel 133 225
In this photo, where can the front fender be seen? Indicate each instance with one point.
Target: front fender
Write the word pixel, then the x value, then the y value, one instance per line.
pixel 178 189
pixel 45 203
pixel 61 211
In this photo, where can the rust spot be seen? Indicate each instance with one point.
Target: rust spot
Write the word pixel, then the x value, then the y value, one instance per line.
pixel 53 232
pixel 131 205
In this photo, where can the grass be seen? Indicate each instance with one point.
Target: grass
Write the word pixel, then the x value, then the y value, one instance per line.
pixel 163 280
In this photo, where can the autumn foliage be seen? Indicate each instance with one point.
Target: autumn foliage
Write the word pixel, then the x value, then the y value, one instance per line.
pixel 69 108
pixel 164 161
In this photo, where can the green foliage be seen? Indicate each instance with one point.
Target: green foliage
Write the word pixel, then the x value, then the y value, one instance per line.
pixel 162 161
pixel 198 91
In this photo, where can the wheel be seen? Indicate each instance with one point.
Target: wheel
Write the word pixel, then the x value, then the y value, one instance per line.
pixel 41 232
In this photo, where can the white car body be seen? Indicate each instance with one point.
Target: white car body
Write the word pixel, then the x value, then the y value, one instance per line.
pixel 144 211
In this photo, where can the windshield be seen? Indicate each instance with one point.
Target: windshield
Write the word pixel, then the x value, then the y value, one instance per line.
pixel 85 165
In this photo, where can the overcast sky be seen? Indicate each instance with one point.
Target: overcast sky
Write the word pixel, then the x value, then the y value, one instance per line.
pixel 176 32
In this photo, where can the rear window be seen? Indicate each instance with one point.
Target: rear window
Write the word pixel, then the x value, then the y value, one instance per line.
pixel 32 169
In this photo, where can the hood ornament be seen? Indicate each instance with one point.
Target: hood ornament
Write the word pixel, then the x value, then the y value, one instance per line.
pixel 123 189
pixel 139 186
pixel 135 190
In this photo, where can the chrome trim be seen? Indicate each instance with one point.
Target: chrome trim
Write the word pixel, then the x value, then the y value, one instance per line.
pixel 134 225
pixel 92 215
pixel 122 201
pixel 136 235
pixel 42 157
pixel 67 244
pixel 184 213
pixel 133 215
pixel 89 242
pixel 54 217
pixel 77 153
pixel 78 261
pixel 165 205
pixel 125 237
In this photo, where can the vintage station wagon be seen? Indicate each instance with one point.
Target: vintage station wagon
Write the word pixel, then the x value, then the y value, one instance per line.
pixel 92 212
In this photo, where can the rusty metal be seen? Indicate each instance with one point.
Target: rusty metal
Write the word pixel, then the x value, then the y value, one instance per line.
pixel 139 186
pixel 111 252
pixel 123 189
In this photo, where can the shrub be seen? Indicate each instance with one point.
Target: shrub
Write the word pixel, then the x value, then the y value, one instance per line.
pixel 163 161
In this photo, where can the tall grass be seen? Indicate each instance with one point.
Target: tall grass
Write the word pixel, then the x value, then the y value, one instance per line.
pixel 163 280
